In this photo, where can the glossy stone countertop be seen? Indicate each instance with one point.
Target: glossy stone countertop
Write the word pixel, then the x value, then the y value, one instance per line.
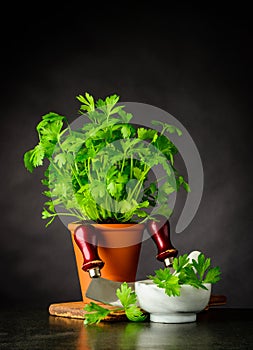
pixel 217 328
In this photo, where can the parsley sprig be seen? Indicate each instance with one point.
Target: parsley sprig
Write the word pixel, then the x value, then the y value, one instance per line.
pixel 95 313
pixel 194 273
pixel 127 297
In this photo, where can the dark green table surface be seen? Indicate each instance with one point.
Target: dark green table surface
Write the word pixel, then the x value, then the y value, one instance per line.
pixel 217 328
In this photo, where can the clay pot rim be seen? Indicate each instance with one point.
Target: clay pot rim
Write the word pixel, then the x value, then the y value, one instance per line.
pixel 118 226
pixel 112 226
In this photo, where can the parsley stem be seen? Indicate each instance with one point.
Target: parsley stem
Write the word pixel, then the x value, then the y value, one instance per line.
pixel 131 167
pixel 123 163
pixel 139 183
pixel 76 176
pixel 67 214
pixel 55 167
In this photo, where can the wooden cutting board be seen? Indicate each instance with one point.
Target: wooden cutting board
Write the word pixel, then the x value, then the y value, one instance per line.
pixel 75 309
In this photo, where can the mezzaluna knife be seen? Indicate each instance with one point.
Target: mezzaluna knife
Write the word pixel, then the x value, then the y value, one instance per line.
pixel 99 289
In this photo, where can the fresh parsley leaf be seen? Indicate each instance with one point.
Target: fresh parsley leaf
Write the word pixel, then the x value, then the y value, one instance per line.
pixel 27 161
pixel 135 314
pixel 180 262
pixel 126 131
pixel 125 117
pixel 60 159
pixel 138 173
pixel 188 276
pixel 87 101
pixel 213 275
pixel 112 100
pixel 51 117
pixel 167 127
pixel 165 279
pixel 128 299
pixel 167 188
pixel 95 313
pixel 201 265
pixel 126 295
pixel 147 134
pixel 50 131
pixel 37 155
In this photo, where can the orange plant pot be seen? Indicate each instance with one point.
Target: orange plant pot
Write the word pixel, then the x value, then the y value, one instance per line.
pixel 119 247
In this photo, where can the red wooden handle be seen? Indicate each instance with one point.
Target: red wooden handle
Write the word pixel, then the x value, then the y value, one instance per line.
pixel 161 237
pixel 86 239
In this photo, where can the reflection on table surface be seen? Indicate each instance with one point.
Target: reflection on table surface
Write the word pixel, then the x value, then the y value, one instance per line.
pixel 214 329
pixel 124 335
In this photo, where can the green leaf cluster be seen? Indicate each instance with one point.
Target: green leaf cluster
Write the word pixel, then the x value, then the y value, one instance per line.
pixel 128 299
pixel 95 313
pixel 195 273
pixel 80 183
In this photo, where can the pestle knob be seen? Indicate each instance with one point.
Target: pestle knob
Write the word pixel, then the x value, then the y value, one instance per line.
pixel 161 237
pixel 86 239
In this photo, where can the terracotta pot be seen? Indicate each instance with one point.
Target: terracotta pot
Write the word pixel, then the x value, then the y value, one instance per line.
pixel 119 246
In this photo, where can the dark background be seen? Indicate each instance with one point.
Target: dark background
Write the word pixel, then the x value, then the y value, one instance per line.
pixel 195 64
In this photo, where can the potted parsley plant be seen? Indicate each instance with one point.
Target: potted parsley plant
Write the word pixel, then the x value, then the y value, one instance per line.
pixel 101 170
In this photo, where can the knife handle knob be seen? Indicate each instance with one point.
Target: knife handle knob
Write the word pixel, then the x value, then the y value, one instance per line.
pixel 161 237
pixel 86 239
